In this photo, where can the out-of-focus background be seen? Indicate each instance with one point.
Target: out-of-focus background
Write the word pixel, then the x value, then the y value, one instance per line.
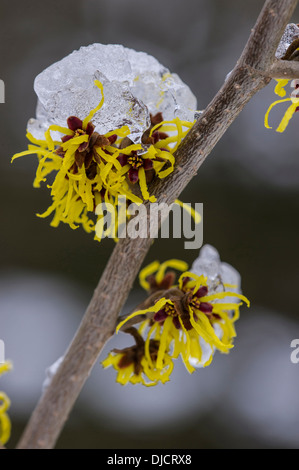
pixel 249 187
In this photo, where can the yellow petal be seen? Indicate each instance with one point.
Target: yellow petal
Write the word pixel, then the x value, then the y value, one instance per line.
pixel 194 214
pixel 164 342
pixel 288 115
pixel 146 272
pixel 93 111
pixel 279 89
pixel 172 263
pixel 266 122
pixel 155 308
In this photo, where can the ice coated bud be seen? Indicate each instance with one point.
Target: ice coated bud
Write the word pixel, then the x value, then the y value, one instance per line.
pixel 218 273
pixel 290 33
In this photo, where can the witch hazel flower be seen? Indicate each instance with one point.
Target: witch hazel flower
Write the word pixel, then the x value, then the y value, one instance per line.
pixel 288 49
pixel 5 424
pixel 293 98
pixel 135 366
pixel 108 122
pixel 191 319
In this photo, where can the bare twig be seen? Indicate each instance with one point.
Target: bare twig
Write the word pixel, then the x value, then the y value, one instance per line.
pixel 284 69
pixel 249 76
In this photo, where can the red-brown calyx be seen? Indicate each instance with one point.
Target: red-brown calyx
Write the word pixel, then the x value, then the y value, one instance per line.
pixel 86 152
pixel 134 354
pixel 136 161
pixel 166 283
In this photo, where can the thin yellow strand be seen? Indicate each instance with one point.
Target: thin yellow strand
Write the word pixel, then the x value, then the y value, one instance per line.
pixel 93 111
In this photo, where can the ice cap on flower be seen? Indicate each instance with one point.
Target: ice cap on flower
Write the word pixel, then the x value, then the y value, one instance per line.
pixel 219 274
pixel 135 85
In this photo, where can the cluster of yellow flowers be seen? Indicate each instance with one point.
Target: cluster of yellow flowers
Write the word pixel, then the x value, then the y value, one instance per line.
pixel 5 425
pixel 294 98
pixel 187 319
pixel 92 168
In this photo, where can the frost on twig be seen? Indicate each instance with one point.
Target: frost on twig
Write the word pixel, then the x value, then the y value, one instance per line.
pixel 50 372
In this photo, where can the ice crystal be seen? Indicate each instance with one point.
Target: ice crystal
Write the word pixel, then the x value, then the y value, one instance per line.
pixel 291 32
pixel 219 274
pixel 135 85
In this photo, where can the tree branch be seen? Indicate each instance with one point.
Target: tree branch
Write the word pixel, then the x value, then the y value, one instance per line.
pixel 284 69
pixel 249 76
pixel 260 49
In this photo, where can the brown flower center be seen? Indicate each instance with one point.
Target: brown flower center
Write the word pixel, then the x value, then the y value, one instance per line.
pixel 135 161
pixel 79 132
pixel 134 354
pixel 170 310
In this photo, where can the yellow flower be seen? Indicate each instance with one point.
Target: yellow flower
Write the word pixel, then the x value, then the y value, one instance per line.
pixel 134 366
pixel 5 425
pixel 294 98
pixel 92 168
pixel 189 319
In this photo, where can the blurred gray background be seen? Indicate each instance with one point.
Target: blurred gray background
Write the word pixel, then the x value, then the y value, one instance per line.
pixel 249 187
